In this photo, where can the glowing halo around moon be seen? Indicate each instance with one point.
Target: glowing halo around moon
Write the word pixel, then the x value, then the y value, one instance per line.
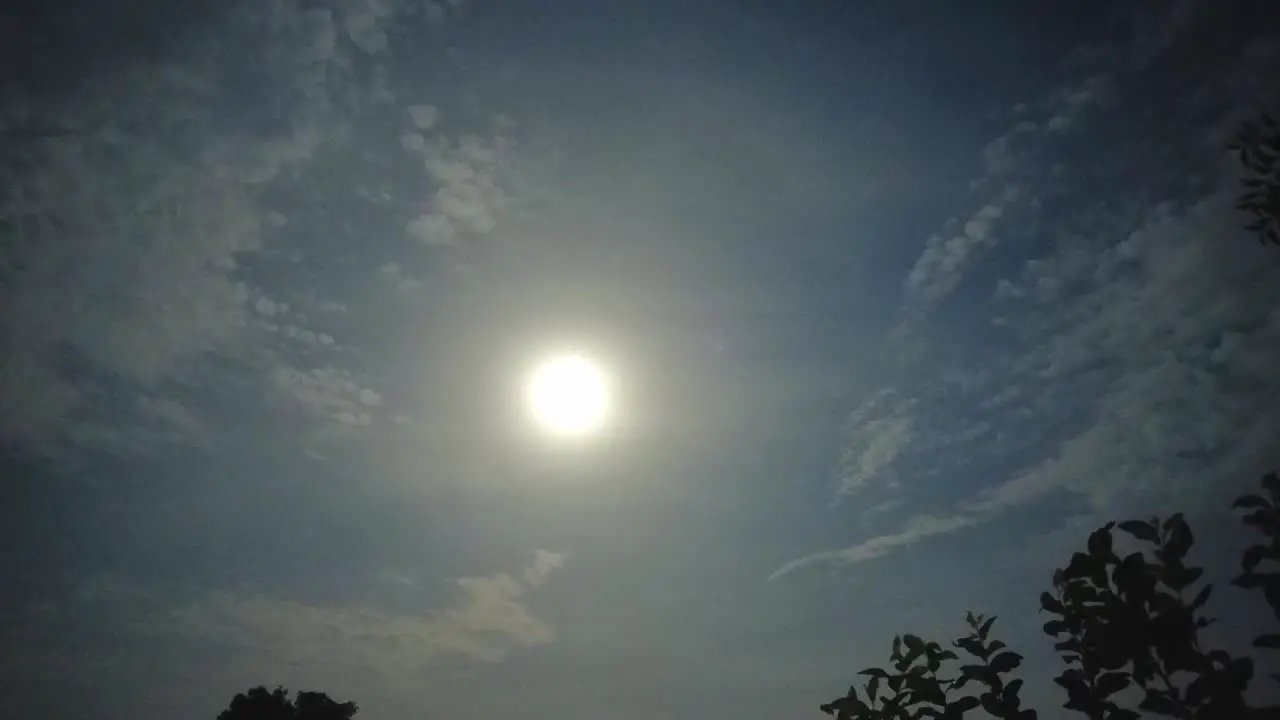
pixel 569 396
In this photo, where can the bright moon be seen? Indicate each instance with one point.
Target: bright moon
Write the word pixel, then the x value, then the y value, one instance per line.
pixel 568 395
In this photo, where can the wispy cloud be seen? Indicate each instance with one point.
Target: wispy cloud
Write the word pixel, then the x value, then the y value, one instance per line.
pixel 880 430
pixel 329 393
pixel 917 529
pixel 136 210
pixel 1122 365
pixel 488 619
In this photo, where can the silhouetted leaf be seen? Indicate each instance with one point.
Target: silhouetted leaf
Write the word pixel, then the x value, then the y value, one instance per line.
pixel 1049 603
pixel 990 703
pixel 1241 669
pixel 1251 557
pixel 986 628
pixel 1270 640
pixel 1070 644
pixel 1100 544
pixel 1005 661
pixel 1131 576
pixel 1271 482
pixel 1251 502
pixel 913 643
pixel 965 704
pixel 1111 683
pixel 910 657
pixel 1183 577
pixel 1055 627
pixel 1199 688
pixel 1180 537
pixel 1082 566
pixel 1201 598
pixel 971 646
pixel 846 707
pixel 874 672
pixel 1258 519
pixel 981 673
pixel 1156 702
pixel 927 690
pixel 1271 589
pixel 1248 580
pixel 1141 530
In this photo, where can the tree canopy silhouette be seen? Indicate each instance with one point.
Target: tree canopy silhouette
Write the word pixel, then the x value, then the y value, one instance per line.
pixel 262 704
pixel 1128 623
pixel 1258 146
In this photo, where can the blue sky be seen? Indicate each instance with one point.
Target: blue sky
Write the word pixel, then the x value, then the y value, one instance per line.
pixel 902 301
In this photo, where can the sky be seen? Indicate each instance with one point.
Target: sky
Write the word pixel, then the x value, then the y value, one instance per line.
pixel 900 299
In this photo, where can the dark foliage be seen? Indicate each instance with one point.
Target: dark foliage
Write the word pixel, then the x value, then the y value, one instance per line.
pixel 926 681
pixel 261 704
pixel 1258 145
pixel 1127 628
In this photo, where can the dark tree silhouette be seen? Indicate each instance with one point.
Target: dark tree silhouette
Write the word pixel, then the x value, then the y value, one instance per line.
pixel 1258 145
pixel 1127 628
pixel 262 704
pixel 916 686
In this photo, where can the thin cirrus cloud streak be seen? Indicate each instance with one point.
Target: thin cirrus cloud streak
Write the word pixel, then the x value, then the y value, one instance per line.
pixel 488 620
pixel 1119 344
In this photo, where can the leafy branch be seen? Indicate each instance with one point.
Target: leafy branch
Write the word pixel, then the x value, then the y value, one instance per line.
pixel 917 688
pixel 1127 628
pixel 1258 147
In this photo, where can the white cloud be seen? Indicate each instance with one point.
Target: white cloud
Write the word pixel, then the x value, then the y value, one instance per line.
pixel 1009 161
pixel 265 306
pixel 171 413
pixel 880 430
pixel 1179 333
pixel 424 117
pixel 940 267
pixel 919 528
pixel 487 619
pixel 468 201
pixel 133 228
pixel 130 226
pixel 126 264
pixel 149 425
pixel 327 392
pixel 362 22
pixel 544 563
pixel 1132 368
